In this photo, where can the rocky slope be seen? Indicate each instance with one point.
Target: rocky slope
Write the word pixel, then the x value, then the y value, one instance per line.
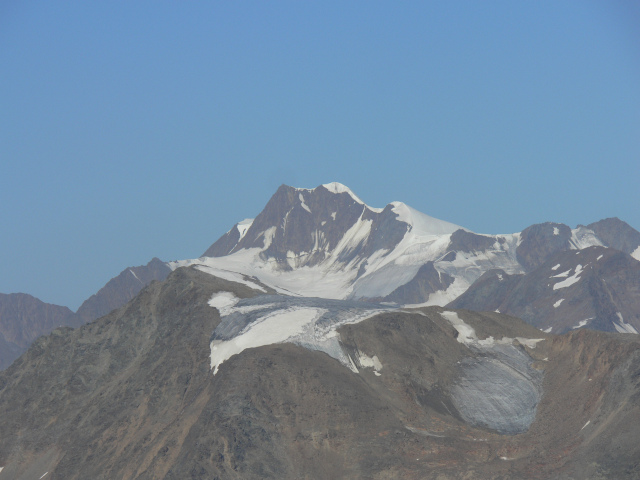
pixel 617 234
pixel 119 290
pixel 24 318
pixel 597 288
pixel 355 391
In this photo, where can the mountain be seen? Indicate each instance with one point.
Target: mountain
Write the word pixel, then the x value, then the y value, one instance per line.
pixel 24 318
pixel 617 234
pixel 596 287
pixel 326 242
pixel 119 290
pixel 201 377
pixel 310 342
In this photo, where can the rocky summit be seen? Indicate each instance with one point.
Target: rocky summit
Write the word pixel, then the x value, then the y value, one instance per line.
pixel 329 339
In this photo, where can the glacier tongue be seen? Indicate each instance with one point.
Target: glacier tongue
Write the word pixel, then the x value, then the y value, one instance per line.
pixel 269 319
pixel 499 389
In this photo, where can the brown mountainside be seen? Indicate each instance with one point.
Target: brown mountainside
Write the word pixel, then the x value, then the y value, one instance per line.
pixel 132 396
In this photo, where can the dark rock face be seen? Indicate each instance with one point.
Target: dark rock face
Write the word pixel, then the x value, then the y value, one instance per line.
pixel 617 234
pixel 132 395
pixel 225 244
pixel 539 242
pixel 597 288
pixel 427 281
pixel 310 224
pixel 293 224
pixel 488 293
pixel 119 290
pixel 24 318
pixel 464 241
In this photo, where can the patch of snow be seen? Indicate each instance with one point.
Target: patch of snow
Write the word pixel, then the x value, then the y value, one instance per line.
pixel 223 301
pixel 588 422
pixel 304 205
pixel 333 215
pixel 134 274
pixel 268 234
pixel 467 334
pixel 323 223
pixel 557 304
pixel 555 268
pixel 335 187
pixel 231 276
pixel 527 342
pixel 623 327
pixel 244 226
pixel 563 274
pixel 1 468
pixel 571 280
pixel 370 362
pixel 583 237
pixel 556 231
pixel 582 323
pixel 500 277
pixel 547 330
pixel 43 474
pixel 353 237
pixel 599 257
pixel 636 253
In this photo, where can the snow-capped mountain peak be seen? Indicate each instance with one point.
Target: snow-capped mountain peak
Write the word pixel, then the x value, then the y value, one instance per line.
pixel 420 223
pixel 336 187
pixel 327 242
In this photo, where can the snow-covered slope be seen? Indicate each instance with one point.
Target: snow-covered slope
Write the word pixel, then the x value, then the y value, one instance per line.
pixel 326 242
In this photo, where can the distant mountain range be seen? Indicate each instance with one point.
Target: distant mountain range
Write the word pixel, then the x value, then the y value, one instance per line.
pixel 326 242
pixel 24 318
pixel 328 339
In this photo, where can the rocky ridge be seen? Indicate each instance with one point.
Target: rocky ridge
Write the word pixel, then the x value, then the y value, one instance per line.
pixel 106 400
pixel 597 288
pixel 24 318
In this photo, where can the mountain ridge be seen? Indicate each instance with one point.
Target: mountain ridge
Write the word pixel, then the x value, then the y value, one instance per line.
pixel 132 395
pixel 327 242
pixel 297 353
pixel 378 253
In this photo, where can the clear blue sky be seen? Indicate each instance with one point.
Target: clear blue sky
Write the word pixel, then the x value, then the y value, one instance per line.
pixel 137 129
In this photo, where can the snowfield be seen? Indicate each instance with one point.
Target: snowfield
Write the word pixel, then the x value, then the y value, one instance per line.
pixel 271 319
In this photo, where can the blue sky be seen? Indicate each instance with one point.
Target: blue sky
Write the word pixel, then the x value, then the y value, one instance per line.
pixel 130 130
